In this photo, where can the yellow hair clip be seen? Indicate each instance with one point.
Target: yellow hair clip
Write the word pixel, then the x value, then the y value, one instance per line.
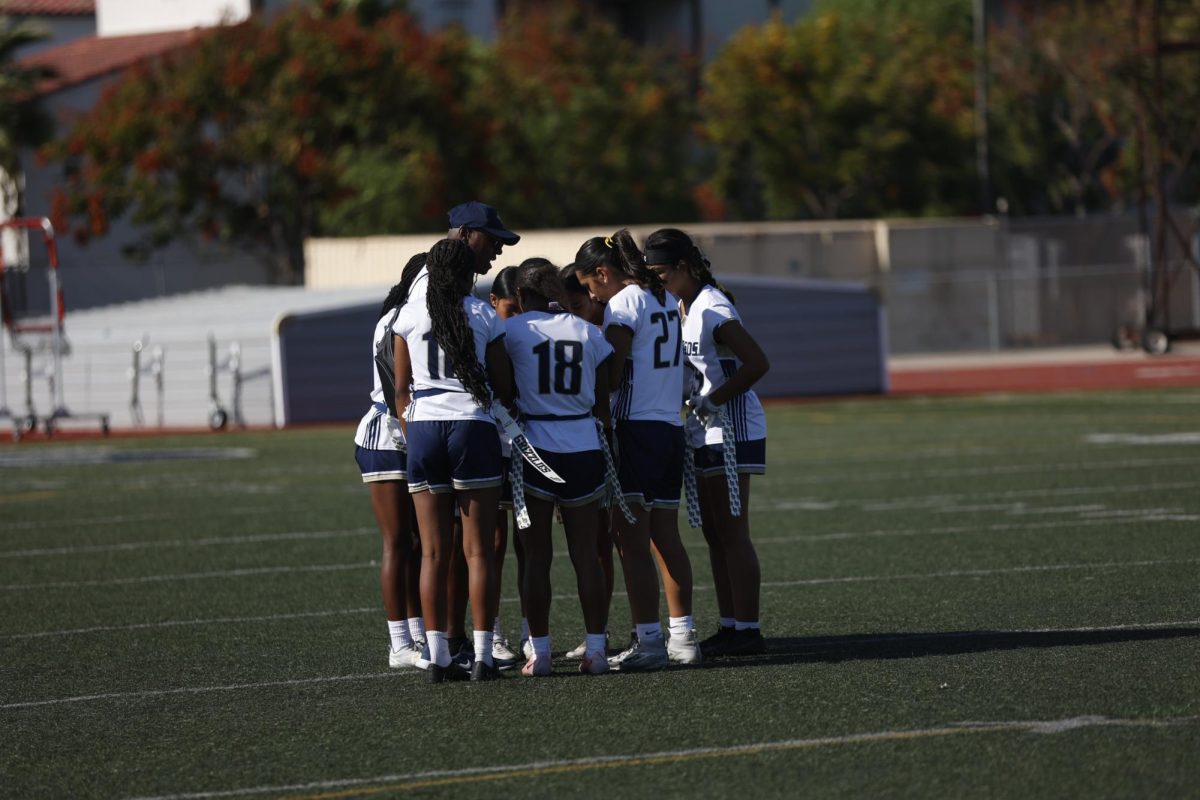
pixel 608 242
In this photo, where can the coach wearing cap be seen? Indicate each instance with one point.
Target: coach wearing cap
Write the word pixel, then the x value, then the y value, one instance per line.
pixel 479 225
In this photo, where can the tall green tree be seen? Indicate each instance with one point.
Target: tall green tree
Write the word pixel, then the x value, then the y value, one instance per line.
pixel 23 121
pixel 836 116
pixel 1076 92
pixel 250 135
pixel 583 126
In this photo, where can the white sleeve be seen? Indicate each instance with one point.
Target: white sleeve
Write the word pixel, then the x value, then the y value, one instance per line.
pixel 621 310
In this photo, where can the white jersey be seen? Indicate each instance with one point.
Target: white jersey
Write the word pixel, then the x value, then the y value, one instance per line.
pixel 376 428
pixel 716 364
pixel 432 371
pixel 652 383
pixel 554 359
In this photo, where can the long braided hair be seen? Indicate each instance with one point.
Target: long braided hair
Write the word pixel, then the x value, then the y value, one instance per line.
pixel 398 294
pixel 451 273
pixel 621 254
pixel 673 246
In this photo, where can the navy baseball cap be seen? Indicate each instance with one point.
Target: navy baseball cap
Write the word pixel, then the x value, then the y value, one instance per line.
pixel 481 216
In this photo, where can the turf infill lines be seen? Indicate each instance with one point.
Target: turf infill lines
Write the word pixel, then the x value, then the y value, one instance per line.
pixel 1145 515
pixel 189 576
pixel 232 687
pixel 175 623
pixel 212 541
pixel 327 790
pixel 240 573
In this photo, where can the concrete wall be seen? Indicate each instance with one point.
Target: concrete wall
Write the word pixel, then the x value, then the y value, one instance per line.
pixel 947 285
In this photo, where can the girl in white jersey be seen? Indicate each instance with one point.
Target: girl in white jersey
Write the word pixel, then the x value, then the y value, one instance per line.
pixel 444 399
pixel 641 321
pixel 728 362
pixel 559 363
pixel 379 451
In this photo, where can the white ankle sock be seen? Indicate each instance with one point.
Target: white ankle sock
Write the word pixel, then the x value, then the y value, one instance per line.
pixel 439 649
pixel 483 646
pixel 398 631
pixel 416 628
pixel 541 646
pixel 597 644
pixel 681 626
pixel 649 631
pixel 746 626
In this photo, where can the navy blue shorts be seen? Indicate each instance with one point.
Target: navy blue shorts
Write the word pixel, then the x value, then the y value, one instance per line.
pixel 380 465
pixel 650 462
pixel 751 458
pixel 583 474
pixel 448 455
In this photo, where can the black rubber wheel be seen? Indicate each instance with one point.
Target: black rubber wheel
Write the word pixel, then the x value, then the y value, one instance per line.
pixel 218 419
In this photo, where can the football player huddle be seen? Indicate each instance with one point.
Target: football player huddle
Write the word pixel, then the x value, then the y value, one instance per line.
pixel 604 392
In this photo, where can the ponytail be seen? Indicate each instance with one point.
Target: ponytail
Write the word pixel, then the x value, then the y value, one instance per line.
pixel 398 295
pixel 620 254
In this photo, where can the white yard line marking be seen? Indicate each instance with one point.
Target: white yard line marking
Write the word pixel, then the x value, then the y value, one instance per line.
pixel 175 623
pixel 68 522
pixel 206 542
pixel 974 573
pixel 826 475
pixel 87 698
pixel 431 778
pixel 187 576
pixel 939 501
pixel 1189 437
pixel 1152 515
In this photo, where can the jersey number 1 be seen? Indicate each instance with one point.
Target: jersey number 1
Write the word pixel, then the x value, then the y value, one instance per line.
pixel 435 357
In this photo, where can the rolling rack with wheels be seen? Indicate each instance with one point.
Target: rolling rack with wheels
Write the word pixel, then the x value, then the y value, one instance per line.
pixel 1171 252
pixel 31 335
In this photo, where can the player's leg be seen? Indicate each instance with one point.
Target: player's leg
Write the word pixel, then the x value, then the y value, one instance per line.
pixel 430 486
pixel 740 561
pixel 538 544
pixel 477 473
pixel 391 505
pixel 478 510
pixel 582 525
pixel 714 645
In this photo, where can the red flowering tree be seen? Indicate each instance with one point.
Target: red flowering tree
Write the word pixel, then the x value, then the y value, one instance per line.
pixel 252 135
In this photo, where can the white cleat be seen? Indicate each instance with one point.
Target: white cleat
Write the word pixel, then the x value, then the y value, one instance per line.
pixel 685 649
pixel 578 653
pixel 646 655
pixel 502 655
pixel 407 657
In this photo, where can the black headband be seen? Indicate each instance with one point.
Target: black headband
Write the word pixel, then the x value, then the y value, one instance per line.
pixel 665 254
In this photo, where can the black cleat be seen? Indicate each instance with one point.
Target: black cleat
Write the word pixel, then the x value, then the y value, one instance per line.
pixel 484 672
pixel 714 646
pixel 452 672
pixel 749 642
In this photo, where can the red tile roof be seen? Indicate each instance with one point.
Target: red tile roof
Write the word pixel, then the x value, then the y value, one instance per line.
pixel 93 56
pixel 49 8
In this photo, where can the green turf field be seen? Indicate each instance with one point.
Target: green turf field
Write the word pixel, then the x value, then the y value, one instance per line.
pixel 989 597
